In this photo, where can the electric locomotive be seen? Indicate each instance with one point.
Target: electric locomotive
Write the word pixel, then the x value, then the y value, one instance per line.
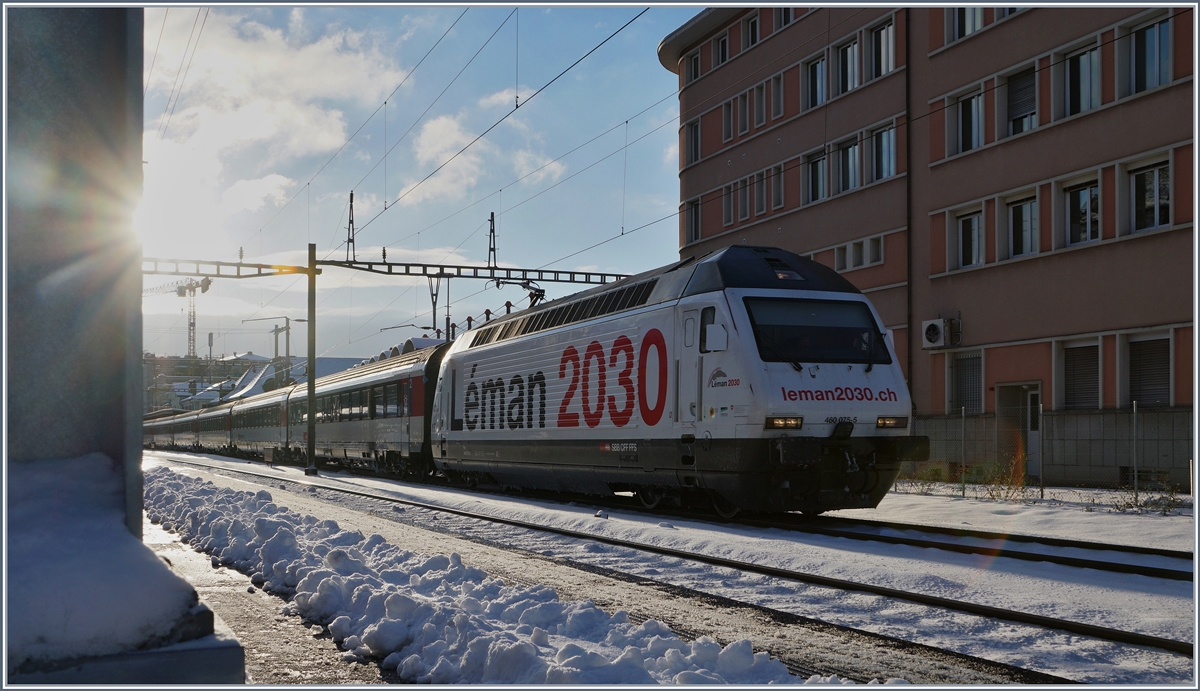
pixel 752 378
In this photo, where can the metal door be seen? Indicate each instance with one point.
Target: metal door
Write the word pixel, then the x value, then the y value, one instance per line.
pixel 687 368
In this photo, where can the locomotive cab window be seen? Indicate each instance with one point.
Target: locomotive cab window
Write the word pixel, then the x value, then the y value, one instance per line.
pixel 713 337
pixel 814 331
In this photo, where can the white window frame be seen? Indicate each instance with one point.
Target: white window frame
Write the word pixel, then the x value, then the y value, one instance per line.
pixel 849 165
pixel 760 193
pixel 848 72
pixel 693 66
pixel 1156 170
pixel 970 112
pixel 777 96
pixel 1029 121
pixel 727 120
pixel 692 221
pixel 743 119
pixel 720 50
pixel 883 152
pixel 883 49
pixel 1159 28
pixel 750 31
pixel 858 254
pixel 760 104
pixel 777 189
pixel 1028 234
pixel 1087 84
pixel 816 177
pixel 692 141
pixel 743 198
pixel 783 17
pixel 1002 12
pixel 1092 226
pixel 975 256
pixel 816 85
pixel 728 204
pixel 965 21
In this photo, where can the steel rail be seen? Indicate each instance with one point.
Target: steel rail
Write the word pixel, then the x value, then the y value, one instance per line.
pixel 1104 633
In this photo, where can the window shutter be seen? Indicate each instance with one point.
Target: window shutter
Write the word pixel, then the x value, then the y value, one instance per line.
pixel 968 383
pixel 1022 94
pixel 1082 377
pixel 1150 372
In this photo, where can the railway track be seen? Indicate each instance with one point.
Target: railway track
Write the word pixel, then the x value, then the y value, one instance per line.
pixel 1103 633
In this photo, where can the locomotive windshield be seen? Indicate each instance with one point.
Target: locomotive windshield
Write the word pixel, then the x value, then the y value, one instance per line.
pixel 800 331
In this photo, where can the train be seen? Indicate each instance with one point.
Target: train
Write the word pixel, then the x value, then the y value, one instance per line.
pixel 747 379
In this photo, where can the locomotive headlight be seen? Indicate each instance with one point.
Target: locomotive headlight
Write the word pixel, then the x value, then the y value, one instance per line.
pixel 892 422
pixel 784 423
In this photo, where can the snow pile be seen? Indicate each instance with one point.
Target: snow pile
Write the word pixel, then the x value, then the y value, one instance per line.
pixel 79 584
pixel 432 618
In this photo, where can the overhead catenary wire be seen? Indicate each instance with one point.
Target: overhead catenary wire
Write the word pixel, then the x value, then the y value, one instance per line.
pixel 150 73
pixel 185 73
pixel 178 71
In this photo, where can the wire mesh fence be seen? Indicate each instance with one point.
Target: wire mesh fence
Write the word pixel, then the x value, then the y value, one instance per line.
pixel 1015 449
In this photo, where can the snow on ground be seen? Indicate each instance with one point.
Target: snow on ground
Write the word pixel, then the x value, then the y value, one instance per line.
pixel 79 583
pixel 1074 513
pixel 431 617
pixel 1132 603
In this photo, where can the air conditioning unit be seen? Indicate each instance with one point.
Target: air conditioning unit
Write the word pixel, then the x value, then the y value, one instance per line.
pixel 935 333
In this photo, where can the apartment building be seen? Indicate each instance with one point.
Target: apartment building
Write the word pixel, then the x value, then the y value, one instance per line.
pixel 1011 187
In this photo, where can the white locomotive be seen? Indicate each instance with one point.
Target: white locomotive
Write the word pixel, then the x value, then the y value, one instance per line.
pixel 751 378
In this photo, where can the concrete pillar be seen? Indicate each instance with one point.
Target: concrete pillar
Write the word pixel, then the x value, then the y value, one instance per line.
pixel 74 261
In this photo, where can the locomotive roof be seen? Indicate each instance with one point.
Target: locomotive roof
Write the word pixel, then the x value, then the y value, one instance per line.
pixel 738 266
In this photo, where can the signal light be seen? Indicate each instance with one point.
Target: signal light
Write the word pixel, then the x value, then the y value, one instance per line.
pixel 891 422
pixel 784 423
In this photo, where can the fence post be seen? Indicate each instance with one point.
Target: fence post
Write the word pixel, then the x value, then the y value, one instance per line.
pixel 1135 457
pixel 962 462
pixel 1041 452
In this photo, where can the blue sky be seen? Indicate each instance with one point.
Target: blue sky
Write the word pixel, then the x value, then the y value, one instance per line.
pixel 236 132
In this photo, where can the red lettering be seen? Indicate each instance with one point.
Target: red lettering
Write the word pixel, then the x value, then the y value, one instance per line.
pixel 652 414
pixel 621 417
pixel 569 356
pixel 592 416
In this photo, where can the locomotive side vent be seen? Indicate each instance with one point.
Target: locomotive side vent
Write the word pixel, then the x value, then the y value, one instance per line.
pixel 570 313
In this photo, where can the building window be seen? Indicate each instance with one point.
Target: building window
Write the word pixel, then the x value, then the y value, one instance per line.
pixel 1022 101
pixel 750 31
pixel 727 121
pixel 727 204
pixel 1081 377
pixel 720 51
pixel 970 240
pixel 693 141
pixel 760 194
pixel 1002 12
pixel 783 17
pixel 1022 228
pixel 693 67
pixel 743 114
pixel 970 122
pixel 1083 81
pixel 847 67
pixel 760 105
pixel 966 376
pixel 815 73
pixel 883 144
pixel 777 96
pixel 777 186
pixel 1151 196
pixel 1083 213
pixel 692 221
pixel 848 166
pixel 1150 372
pixel 743 199
pixel 1151 56
pixel 857 254
pixel 967 20
pixel 883 50
pixel 816 178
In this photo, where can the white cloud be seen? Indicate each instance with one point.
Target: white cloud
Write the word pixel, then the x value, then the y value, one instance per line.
pixel 252 195
pixel 505 98
pixel 671 156
pixel 526 162
pixel 439 140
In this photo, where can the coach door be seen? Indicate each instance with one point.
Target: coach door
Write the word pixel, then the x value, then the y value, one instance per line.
pixel 688 367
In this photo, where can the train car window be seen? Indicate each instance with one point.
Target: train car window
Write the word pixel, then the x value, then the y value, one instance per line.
pixel 390 409
pixel 708 315
pixel 689 332
pixel 405 398
pixel 356 405
pixel 456 423
pixel 791 330
pixel 380 403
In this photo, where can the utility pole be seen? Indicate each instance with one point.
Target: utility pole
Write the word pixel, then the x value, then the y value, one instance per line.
pixel 312 361
pixel 491 262
pixel 351 253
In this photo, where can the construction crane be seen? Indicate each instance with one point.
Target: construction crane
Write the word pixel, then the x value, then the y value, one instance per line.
pixel 185 288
